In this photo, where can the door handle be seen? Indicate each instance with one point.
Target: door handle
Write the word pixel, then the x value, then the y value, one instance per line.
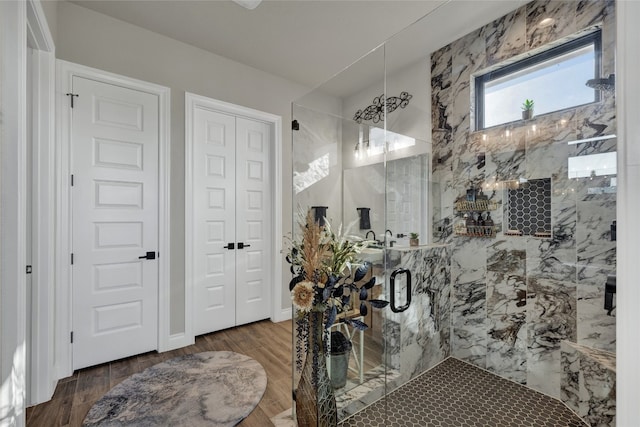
pixel 149 255
pixel 392 290
pixel 242 245
pixel 230 246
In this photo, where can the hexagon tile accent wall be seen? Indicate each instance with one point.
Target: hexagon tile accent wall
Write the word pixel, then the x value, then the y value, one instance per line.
pixel 529 207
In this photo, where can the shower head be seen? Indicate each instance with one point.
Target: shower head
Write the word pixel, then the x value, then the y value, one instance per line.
pixel 607 84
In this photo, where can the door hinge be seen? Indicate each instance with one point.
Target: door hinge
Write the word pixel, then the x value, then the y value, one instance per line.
pixel 29 269
pixel 295 125
pixel 72 95
pixel 71 337
pixel 72 180
pixel 72 259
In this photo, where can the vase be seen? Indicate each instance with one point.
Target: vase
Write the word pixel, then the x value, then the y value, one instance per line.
pixel 414 242
pixel 527 114
pixel 315 399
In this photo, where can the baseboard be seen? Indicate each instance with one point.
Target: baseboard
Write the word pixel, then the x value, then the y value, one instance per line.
pixel 177 341
pixel 284 314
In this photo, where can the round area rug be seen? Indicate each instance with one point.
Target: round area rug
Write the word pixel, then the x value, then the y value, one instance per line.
pixel 213 388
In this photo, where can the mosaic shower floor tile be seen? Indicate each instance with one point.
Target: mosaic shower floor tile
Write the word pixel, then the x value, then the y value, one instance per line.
pixel 455 393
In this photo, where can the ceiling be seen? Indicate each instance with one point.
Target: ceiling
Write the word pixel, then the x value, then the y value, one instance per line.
pixel 305 41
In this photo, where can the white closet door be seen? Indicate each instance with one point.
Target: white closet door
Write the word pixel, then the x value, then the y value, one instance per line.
pixel 253 207
pixel 115 221
pixel 214 221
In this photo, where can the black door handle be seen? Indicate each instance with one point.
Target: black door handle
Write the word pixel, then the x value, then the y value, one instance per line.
pixel 230 246
pixel 149 255
pixel 392 290
pixel 241 245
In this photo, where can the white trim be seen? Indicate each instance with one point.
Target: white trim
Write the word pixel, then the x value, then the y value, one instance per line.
pixel 13 57
pixel 42 374
pixel 193 101
pixel 628 294
pixel 65 72
pixel 284 314
pixel 37 27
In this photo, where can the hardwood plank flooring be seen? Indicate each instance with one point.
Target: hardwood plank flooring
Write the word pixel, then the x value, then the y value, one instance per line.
pixel 269 343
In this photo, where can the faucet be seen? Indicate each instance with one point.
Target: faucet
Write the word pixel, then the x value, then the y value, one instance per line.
pixel 389 242
pixel 367 235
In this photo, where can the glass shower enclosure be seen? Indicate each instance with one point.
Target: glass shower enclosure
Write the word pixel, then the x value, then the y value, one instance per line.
pixel 362 157
pixel 389 149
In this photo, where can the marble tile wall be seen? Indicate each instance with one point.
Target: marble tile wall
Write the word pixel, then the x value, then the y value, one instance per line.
pixel 415 340
pixel 419 337
pixel 515 299
pixel 588 384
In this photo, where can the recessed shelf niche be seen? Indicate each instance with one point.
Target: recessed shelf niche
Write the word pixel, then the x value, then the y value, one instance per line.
pixel 528 208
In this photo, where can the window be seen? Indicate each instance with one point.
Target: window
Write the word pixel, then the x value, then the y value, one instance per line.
pixel 554 80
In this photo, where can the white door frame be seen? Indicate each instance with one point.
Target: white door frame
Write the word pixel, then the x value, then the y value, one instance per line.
pixel 13 94
pixel 43 378
pixel 65 73
pixel 22 21
pixel 193 101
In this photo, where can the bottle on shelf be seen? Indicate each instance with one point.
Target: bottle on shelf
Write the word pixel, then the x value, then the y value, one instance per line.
pixel 480 229
pixel 488 223
pixel 471 224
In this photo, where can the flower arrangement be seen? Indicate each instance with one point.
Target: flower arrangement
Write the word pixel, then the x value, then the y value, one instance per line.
pixel 327 274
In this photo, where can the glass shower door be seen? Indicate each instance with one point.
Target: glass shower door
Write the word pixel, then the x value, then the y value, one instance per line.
pixel 338 174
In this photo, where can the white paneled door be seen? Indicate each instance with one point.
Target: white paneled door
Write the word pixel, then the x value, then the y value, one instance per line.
pixel 214 221
pixel 253 234
pixel 231 220
pixel 114 158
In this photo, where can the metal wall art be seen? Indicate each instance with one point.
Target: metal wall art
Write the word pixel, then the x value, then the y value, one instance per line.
pixel 375 111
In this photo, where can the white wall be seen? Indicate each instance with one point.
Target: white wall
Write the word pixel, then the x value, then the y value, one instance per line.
pixel 95 40
pixel 50 8
pixel 414 120
pixel 628 291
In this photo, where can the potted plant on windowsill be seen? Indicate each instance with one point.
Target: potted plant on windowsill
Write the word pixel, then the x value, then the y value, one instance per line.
pixel 527 109
pixel 413 239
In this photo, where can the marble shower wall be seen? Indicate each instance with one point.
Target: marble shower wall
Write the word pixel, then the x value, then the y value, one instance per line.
pixel 514 299
pixel 419 338
pixel 588 383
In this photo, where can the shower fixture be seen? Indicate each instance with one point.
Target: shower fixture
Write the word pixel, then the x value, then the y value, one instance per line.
pixel 607 84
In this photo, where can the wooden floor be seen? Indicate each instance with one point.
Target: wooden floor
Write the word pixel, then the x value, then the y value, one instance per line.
pixel 268 343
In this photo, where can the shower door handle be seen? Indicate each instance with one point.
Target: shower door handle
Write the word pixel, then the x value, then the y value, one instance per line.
pixel 397 272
